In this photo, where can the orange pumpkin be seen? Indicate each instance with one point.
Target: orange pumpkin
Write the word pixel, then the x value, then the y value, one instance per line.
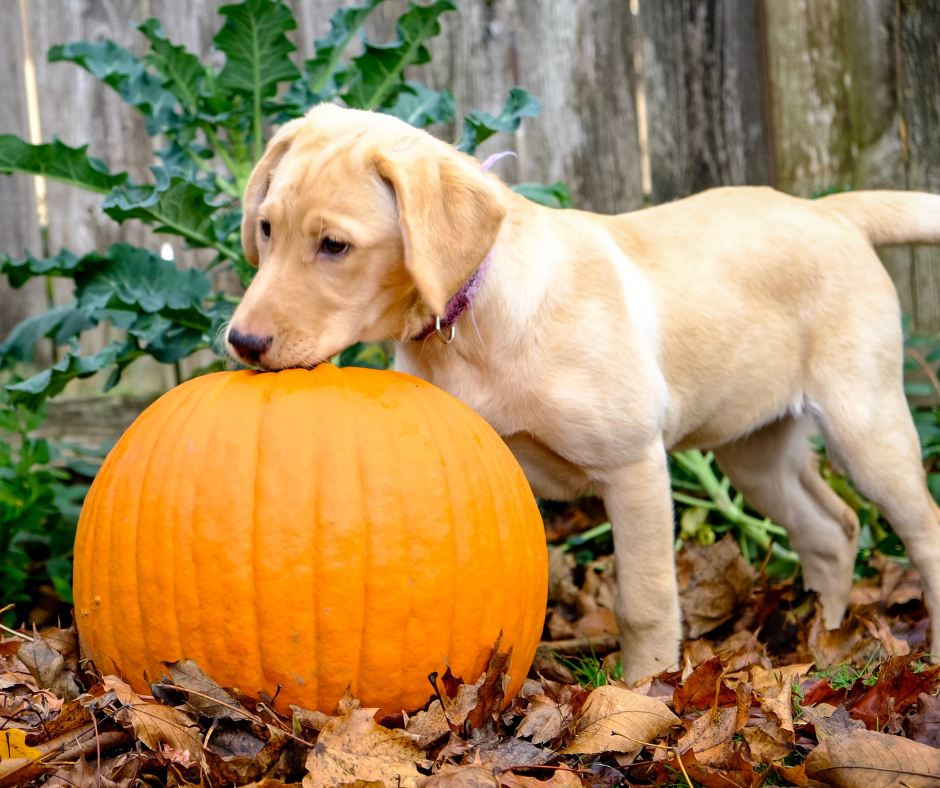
pixel 308 529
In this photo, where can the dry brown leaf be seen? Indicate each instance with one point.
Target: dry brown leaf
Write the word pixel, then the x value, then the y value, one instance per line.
pixel 156 725
pixel 561 778
pixel 866 759
pixel 49 668
pixel 764 743
pixel 492 690
pixel 830 720
pixel 561 587
pixel 762 677
pixel 924 724
pixel 711 736
pixel 354 747
pixel 219 704
pixel 462 777
pixel 316 720
pixel 617 720
pixel 545 719
pixel 429 726
pixel 714 581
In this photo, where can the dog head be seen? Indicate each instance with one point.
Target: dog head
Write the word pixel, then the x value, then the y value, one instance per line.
pixel 362 229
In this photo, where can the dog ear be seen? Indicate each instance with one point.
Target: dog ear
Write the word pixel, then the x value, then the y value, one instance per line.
pixel 450 212
pixel 257 188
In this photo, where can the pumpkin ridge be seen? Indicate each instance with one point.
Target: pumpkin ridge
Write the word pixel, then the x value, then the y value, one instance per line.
pixel 162 436
pixel 203 649
pixel 434 423
pixel 366 524
pixel 151 429
pixel 176 526
pixel 255 525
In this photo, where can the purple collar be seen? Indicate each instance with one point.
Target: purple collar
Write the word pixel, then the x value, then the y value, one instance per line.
pixel 460 303
pixel 463 301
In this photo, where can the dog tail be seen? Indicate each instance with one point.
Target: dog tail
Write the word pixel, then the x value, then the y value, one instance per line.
pixel 891 217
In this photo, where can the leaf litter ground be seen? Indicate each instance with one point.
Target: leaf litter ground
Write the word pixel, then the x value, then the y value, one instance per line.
pixel 765 696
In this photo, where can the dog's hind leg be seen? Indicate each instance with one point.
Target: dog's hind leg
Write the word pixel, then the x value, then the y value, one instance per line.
pixel 777 471
pixel 873 436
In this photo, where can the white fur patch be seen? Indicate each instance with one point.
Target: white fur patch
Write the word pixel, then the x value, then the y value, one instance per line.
pixel 641 310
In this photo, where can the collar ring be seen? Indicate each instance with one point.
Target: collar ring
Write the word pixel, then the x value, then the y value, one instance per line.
pixel 440 333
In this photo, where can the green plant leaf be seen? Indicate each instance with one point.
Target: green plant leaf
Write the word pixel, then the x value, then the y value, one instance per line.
pixel 33 392
pixel 257 54
pixel 139 279
pixel 321 70
pixel 480 126
pixel 57 161
pixel 554 196
pixel 181 71
pixel 178 206
pixel 61 322
pixel 380 67
pixel 121 70
pixel 19 272
pixel 256 47
pixel 420 106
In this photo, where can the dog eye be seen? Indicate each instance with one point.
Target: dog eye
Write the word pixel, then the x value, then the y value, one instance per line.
pixel 333 247
pixel 266 229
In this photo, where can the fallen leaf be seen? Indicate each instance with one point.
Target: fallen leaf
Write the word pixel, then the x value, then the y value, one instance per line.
pixel 711 736
pixel 316 720
pixel 154 724
pixel 13 745
pixel 896 690
pixel 492 691
pixel 49 668
pixel 924 724
pixel 561 587
pixel 219 704
pixel 561 778
pixel 703 688
pixel 617 720
pixel 429 726
pixel 866 759
pixel 829 721
pixel 545 719
pixel 714 580
pixel 239 752
pixel 461 777
pixel 354 747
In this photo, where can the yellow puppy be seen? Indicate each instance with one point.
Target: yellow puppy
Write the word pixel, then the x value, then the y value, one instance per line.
pixel 736 320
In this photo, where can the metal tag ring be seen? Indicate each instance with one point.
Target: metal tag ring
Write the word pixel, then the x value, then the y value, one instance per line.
pixel 440 334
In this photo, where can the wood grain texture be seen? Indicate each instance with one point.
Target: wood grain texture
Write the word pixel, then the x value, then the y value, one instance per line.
pixel 19 223
pixel 919 45
pixel 809 100
pixel 577 58
pixel 878 157
pixel 703 82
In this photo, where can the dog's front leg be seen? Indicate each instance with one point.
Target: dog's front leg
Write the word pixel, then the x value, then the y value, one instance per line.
pixel 639 504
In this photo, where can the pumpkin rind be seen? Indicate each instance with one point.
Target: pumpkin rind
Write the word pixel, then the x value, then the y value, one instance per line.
pixel 308 529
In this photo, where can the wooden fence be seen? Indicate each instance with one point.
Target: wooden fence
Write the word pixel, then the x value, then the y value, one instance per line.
pixel 642 101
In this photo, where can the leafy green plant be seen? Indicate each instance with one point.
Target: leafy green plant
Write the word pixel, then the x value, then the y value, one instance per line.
pixel 41 492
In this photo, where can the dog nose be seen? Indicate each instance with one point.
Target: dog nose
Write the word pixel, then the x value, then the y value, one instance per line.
pixel 248 346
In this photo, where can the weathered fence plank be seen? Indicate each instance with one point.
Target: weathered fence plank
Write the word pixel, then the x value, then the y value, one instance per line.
pixel 19 224
pixel 919 47
pixel 702 73
pixel 577 57
pixel 870 32
pixel 809 101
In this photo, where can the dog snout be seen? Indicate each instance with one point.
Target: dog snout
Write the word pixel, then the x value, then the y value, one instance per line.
pixel 248 347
